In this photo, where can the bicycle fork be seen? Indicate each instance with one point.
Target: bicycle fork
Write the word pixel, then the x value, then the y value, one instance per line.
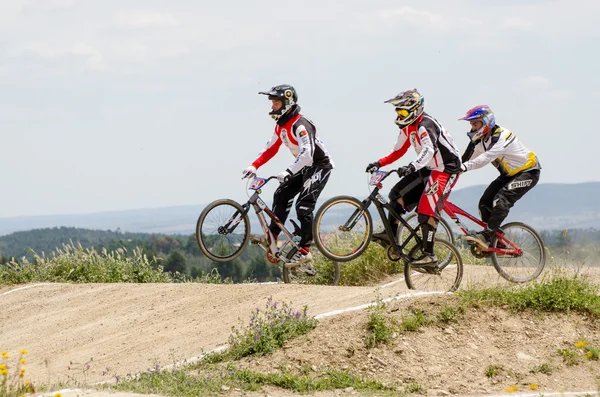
pixel 354 218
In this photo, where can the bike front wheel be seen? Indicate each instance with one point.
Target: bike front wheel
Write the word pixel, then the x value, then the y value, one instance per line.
pixel 444 277
pixel 223 230
pixel 342 229
pixel 526 265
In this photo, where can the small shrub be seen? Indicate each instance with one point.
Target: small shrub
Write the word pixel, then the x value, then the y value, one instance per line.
pixel 415 388
pixel 493 370
pixel 450 314
pixel 378 327
pixel 543 368
pixel 569 356
pixel 269 329
pixel 415 320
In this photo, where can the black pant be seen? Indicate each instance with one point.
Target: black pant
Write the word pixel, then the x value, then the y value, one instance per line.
pixel 309 183
pixel 502 194
pixel 410 188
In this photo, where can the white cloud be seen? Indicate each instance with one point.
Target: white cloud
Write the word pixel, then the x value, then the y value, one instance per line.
pixel 93 57
pixel 34 48
pixel 536 83
pixel 517 23
pixel 472 21
pixel 411 12
pixel 142 20
pixel 49 5
pixel 542 87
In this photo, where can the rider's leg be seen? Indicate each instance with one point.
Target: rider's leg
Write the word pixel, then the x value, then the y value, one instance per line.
pixel 283 199
pixel 405 195
pixel 314 181
pixel 486 202
pixel 432 201
pixel 497 201
pixel 509 194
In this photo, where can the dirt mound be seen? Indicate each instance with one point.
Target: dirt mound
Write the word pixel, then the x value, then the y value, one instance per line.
pixel 454 357
pixel 127 328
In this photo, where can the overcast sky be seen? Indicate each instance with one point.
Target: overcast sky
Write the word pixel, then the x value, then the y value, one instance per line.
pixel 108 105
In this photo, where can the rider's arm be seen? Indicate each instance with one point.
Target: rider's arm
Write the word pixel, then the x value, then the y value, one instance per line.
pixel 306 145
pixel 400 148
pixel 492 152
pixel 270 150
pixel 427 149
pixel 469 151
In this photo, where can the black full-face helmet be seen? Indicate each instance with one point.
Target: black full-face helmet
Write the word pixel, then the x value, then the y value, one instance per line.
pixel 284 93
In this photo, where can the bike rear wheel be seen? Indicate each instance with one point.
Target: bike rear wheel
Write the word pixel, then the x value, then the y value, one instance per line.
pixel 527 266
pixel 331 235
pixel 445 277
pixel 223 230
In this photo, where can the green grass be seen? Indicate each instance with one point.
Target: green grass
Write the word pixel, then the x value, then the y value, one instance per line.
pixel 569 356
pixel 415 388
pixel 416 319
pixel 75 264
pixel 267 330
pixel 211 379
pixel 449 314
pixel 370 267
pixel 493 370
pixel 543 368
pixel 558 294
pixel 379 327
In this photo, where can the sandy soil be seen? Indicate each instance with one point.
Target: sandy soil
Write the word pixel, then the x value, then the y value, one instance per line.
pixel 132 327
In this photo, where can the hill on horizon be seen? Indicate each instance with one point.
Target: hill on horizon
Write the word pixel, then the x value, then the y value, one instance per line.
pixel 548 206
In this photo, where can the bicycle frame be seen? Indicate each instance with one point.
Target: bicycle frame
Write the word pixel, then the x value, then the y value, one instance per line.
pixel 380 203
pixel 454 212
pixel 261 208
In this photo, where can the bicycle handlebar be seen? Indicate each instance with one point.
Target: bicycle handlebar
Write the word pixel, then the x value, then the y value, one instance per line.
pixel 388 173
pixel 266 179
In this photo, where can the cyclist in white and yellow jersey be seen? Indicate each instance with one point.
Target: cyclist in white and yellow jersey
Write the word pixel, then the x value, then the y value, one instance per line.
pixel 519 169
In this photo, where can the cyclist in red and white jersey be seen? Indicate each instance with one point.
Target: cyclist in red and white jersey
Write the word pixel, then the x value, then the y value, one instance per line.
pixel 306 176
pixel 429 179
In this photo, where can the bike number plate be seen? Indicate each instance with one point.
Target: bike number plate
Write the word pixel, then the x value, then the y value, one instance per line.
pixel 257 183
pixel 376 177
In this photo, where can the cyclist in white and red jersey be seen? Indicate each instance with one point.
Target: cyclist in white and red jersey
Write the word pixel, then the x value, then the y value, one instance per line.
pixel 519 169
pixel 306 176
pixel 429 179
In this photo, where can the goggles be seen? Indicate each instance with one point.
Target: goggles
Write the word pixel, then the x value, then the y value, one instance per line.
pixel 402 113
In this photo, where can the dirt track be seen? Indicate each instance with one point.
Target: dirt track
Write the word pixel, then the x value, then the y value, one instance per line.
pixel 132 327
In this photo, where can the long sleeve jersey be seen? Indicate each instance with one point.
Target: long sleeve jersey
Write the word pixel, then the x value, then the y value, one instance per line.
pixel 504 150
pixel 435 148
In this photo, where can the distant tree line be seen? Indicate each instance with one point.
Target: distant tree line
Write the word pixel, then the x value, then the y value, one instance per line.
pixel 180 253
pixel 176 253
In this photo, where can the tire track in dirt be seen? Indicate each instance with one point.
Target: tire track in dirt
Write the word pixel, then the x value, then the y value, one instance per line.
pixel 132 327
